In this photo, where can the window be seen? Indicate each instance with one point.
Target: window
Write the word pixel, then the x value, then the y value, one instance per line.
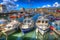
pixel 24 21
pixel 46 21
pixel 38 21
pixel 42 21
pixel 21 12
pixel 9 26
pixel 28 21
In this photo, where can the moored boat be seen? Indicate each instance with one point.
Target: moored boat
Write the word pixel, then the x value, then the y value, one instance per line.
pixel 27 25
pixel 11 27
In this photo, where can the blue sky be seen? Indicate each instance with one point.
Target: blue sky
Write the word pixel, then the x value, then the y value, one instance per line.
pixel 30 3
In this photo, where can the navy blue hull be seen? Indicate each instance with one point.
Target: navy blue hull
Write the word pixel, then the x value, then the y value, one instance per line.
pixel 27 30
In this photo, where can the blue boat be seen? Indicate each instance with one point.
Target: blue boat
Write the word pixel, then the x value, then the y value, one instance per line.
pixel 42 24
pixel 28 25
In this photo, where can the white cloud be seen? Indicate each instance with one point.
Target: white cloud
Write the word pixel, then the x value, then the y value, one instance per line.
pixel 56 4
pixel 17 5
pixel 43 6
pixel 48 5
pixel 10 4
pixel 5 0
pixel 15 0
pixel 1 3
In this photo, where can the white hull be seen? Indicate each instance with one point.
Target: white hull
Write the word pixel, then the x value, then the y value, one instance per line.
pixel 11 27
pixel 10 31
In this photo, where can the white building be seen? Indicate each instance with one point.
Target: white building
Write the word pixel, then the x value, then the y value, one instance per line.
pixel 3 9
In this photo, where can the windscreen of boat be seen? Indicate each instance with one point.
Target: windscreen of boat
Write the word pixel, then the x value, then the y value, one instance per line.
pixel 42 21
pixel 27 21
pixel 46 21
pixel 8 26
pixel 21 12
pixel 24 21
pixel 57 24
pixel 38 21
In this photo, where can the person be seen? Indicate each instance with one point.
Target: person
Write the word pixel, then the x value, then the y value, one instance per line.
pixel 3 36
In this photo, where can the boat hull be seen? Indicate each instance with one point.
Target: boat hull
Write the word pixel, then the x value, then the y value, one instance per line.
pixel 10 31
pixel 27 30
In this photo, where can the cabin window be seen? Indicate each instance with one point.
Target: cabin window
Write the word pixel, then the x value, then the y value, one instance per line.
pixel 25 21
pixel 42 21
pixel 46 21
pixel 38 21
pixel 9 26
pixel 21 12
pixel 28 21
pixel 56 24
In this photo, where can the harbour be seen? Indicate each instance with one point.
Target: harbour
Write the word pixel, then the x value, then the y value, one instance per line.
pixel 29 20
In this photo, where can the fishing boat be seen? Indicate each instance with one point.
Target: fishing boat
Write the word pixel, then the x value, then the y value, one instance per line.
pixel 13 16
pixel 57 18
pixel 42 23
pixel 11 27
pixel 56 24
pixel 27 25
pixel 51 18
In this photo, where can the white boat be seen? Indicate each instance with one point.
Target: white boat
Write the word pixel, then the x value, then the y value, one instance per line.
pixel 56 24
pixel 42 23
pixel 28 25
pixel 11 27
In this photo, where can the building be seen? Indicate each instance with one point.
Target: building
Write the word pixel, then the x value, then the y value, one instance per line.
pixel 22 9
pixel 3 9
pixel 40 10
pixel 51 11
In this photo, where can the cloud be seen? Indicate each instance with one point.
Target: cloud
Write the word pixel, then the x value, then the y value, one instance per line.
pixel 43 6
pixel 10 4
pixel 15 0
pixel 17 5
pixel 56 4
pixel 1 3
pixel 48 5
pixel 5 0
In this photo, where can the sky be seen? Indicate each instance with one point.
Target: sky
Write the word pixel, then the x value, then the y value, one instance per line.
pixel 17 4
